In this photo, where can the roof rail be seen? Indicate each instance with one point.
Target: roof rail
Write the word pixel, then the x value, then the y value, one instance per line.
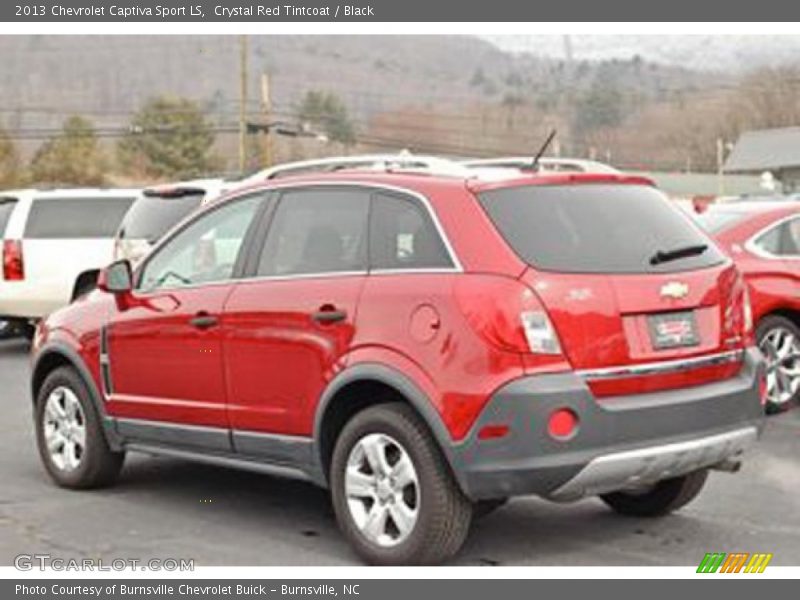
pixel 400 162
pixel 545 163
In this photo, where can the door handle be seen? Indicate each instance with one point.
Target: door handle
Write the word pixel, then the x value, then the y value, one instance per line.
pixel 329 314
pixel 203 320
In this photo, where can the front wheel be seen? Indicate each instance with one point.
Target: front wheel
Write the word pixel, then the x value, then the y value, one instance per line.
pixel 394 496
pixel 662 498
pixel 779 342
pixel 69 434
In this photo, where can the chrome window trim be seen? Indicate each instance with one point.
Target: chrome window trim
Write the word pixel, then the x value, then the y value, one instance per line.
pixel 456 268
pixel 660 368
pixel 751 244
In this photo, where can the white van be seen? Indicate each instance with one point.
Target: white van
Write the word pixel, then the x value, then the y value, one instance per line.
pixel 54 244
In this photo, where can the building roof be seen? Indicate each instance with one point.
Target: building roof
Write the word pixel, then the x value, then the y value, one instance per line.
pixel 765 150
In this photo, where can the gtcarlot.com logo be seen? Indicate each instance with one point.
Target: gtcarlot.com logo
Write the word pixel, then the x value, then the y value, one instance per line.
pixel 737 562
pixel 28 562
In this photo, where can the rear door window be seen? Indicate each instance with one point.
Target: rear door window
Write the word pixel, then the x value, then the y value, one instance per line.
pixel 598 228
pixel 317 231
pixel 6 208
pixel 151 216
pixel 781 240
pixel 403 236
pixel 76 218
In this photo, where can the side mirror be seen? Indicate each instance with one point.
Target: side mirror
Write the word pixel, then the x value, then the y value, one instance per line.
pixel 116 278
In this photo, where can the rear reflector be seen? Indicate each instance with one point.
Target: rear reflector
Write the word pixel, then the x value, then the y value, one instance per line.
pixel 562 424
pixel 491 432
pixel 13 267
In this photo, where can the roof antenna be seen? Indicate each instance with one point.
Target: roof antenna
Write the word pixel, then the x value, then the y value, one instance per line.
pixel 535 164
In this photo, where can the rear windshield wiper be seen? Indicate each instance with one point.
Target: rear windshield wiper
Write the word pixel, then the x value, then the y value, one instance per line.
pixel 663 256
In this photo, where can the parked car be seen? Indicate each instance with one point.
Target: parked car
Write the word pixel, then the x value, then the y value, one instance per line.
pixel 764 239
pixel 6 206
pixel 54 245
pixel 424 345
pixel 157 210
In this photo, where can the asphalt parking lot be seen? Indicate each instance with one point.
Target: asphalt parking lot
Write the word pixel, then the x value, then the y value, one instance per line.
pixel 164 508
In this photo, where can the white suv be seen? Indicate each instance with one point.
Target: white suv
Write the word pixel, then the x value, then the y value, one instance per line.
pixel 54 244
pixel 157 210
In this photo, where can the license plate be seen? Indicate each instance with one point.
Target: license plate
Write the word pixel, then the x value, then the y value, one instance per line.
pixel 673 330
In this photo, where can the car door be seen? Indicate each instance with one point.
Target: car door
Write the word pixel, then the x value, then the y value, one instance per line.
pixel 164 347
pixel 289 327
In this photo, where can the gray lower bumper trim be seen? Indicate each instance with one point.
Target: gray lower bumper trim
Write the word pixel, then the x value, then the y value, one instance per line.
pixel 632 468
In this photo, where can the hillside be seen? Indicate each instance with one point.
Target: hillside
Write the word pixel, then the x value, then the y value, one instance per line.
pixel 45 78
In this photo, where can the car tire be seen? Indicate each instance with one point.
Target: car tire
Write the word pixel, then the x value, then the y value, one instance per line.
pixel 390 513
pixel 773 331
pixel 662 498
pixel 69 434
pixel 483 508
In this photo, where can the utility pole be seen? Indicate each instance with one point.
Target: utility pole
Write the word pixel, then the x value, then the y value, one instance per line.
pixel 720 163
pixel 266 110
pixel 242 103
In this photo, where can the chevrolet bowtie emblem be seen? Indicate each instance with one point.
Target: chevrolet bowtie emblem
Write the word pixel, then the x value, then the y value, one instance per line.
pixel 674 289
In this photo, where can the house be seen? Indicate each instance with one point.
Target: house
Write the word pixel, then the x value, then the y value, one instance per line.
pixel 776 151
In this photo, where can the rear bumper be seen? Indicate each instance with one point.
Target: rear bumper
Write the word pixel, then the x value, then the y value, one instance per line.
pixel 620 441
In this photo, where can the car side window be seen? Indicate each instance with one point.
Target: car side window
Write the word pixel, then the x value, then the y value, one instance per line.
pixel 403 236
pixel 203 252
pixel 317 231
pixel 781 240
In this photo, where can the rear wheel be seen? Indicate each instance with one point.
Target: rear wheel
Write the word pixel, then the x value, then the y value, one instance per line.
pixel 394 496
pixel 69 434
pixel 662 498
pixel 779 341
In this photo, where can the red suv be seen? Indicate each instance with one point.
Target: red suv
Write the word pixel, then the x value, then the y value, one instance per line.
pixel 424 345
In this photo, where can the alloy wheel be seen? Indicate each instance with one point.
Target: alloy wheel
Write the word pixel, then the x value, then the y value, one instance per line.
pixel 781 348
pixel 382 490
pixel 64 429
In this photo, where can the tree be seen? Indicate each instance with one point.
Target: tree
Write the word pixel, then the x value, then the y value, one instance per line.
pixel 326 111
pixel 72 157
pixel 169 137
pixel 9 161
pixel 601 106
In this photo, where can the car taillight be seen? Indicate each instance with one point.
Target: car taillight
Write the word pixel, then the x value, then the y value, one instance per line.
pixel 747 314
pixel 508 315
pixel 13 265
pixel 539 331
pixel 737 314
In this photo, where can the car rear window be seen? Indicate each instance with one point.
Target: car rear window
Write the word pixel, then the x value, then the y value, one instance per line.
pixel 717 220
pixel 6 208
pixel 76 218
pixel 596 228
pixel 152 216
